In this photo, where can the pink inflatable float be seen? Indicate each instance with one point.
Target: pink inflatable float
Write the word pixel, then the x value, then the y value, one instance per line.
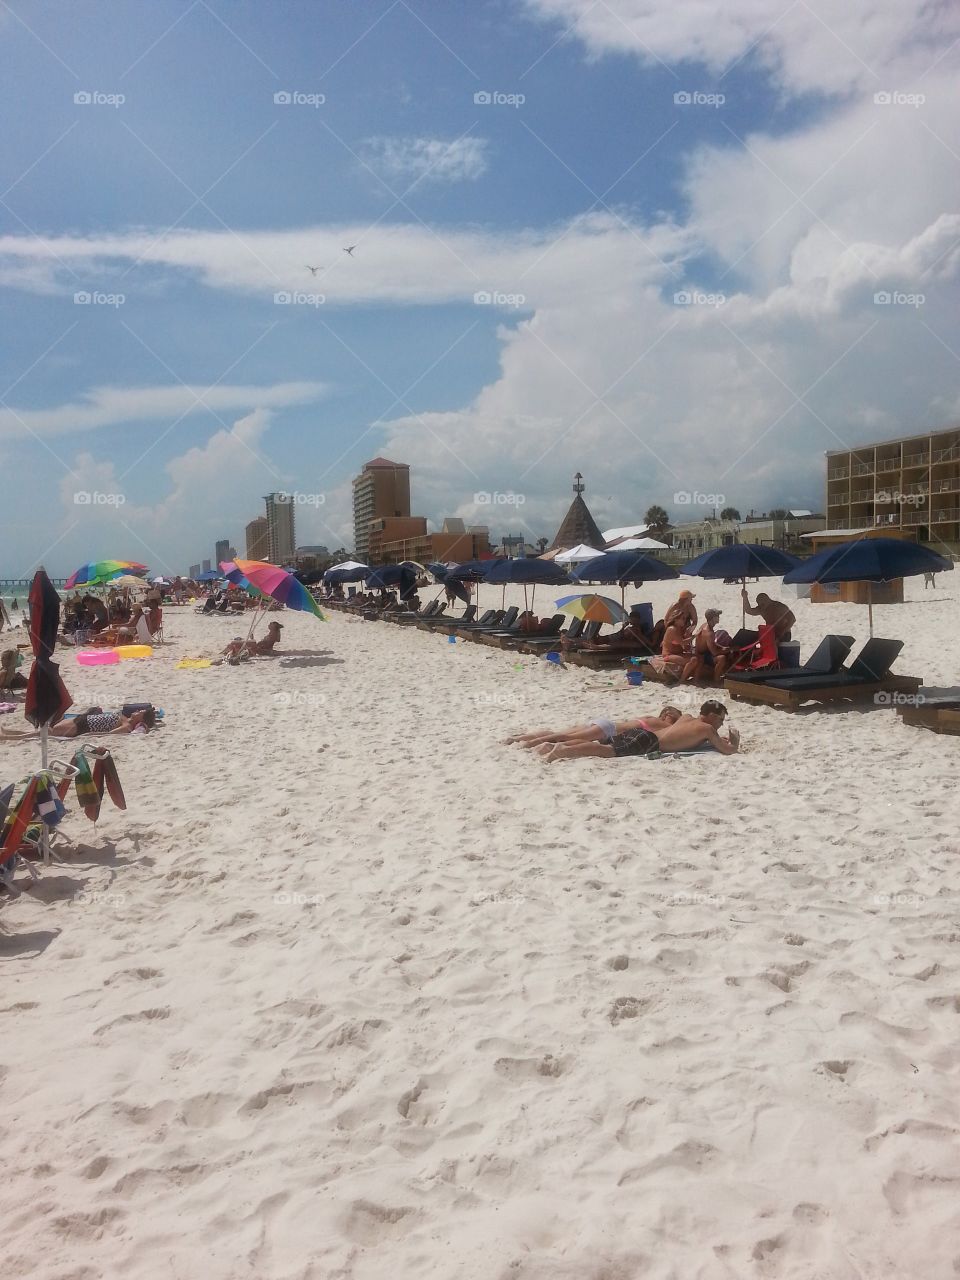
pixel 97 657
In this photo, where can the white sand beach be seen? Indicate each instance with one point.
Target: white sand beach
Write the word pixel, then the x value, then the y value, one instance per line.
pixel 353 991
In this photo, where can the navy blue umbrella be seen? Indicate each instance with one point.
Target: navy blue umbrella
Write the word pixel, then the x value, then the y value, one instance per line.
pixel 346 575
pixel 439 571
pixel 742 560
pixel 528 572
pixel 625 568
pixel 393 575
pixel 209 575
pixel 869 560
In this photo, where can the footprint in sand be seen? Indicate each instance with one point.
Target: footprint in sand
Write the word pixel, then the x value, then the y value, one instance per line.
pixel 628 1007
pixel 145 1015
pixel 548 1067
pixel 141 974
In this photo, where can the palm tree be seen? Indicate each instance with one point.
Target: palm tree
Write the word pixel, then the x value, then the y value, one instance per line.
pixel 729 513
pixel 656 518
pixel 542 545
pixel 778 513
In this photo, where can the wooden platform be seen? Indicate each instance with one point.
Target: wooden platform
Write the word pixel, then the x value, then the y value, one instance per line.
pixel 788 699
pixel 936 719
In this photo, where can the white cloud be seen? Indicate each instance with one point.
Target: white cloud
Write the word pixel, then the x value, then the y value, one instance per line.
pixel 108 406
pixel 829 46
pixel 599 370
pixel 426 159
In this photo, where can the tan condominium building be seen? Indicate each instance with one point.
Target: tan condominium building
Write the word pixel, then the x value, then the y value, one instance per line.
pixel 909 486
pixel 280 528
pixel 257 538
pixel 380 491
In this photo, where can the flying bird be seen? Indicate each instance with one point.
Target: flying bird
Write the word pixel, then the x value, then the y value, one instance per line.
pixel 350 250
pixel 313 270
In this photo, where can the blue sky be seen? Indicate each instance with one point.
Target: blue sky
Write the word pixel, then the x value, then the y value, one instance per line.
pixel 782 208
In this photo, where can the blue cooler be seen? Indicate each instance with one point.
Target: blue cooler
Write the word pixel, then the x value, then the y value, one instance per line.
pixel 789 654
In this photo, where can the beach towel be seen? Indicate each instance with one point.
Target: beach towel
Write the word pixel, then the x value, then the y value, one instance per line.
pixel 49 806
pixel 106 771
pixel 87 797
pixel 18 821
pixel 190 663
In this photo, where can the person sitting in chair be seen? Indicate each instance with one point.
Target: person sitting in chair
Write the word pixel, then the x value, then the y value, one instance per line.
pixel 237 650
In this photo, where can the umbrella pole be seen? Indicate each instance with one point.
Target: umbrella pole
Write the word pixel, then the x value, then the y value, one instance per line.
pixel 256 618
pixel 743 608
pixel 44 829
pixel 870 606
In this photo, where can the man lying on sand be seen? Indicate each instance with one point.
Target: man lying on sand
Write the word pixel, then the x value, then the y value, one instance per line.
pixel 598 730
pixel 686 734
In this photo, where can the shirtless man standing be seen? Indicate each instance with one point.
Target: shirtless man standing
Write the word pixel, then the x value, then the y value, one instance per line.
pixel 774 613
pixel 688 733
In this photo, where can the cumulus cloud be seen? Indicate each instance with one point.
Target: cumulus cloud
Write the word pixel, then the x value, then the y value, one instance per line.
pixel 108 406
pixel 831 46
pixel 722 354
pixel 426 159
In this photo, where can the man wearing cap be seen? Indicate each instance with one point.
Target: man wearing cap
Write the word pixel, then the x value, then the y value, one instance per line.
pixel 710 659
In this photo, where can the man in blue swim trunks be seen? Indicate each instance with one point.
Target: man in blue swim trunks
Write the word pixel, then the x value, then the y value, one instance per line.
pixel 687 734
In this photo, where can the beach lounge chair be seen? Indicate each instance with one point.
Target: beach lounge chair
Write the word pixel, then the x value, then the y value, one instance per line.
pixel 939 714
pixel 826 660
pixel 413 617
pixel 543 643
pixel 494 637
pixel 489 618
pixel 550 634
pixel 438 623
pixel 505 621
pixel 867 675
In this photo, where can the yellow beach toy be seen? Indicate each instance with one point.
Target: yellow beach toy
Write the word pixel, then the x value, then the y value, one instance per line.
pixel 133 651
pixel 196 663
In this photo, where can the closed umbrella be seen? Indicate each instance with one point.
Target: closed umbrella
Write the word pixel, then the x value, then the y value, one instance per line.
pixel 46 698
pixel 740 561
pixel 869 560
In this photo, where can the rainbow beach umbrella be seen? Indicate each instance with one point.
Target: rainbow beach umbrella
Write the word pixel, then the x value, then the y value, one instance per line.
pixel 592 608
pixel 100 571
pixel 279 585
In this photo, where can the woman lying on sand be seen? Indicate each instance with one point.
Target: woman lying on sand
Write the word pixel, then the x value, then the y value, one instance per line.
pixel 598 730
pixel 93 721
pixel 686 734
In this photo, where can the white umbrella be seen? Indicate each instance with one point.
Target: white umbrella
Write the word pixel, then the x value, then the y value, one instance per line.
pixel 347 564
pixel 640 544
pixel 581 552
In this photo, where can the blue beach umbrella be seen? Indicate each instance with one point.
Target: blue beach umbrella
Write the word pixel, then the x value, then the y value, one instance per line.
pixel 742 560
pixel 869 560
pixel 625 568
pixel 528 572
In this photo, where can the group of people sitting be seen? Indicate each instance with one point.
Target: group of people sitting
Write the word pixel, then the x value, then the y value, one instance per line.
pixel 88 620
pixel 690 652
pixel 665 734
